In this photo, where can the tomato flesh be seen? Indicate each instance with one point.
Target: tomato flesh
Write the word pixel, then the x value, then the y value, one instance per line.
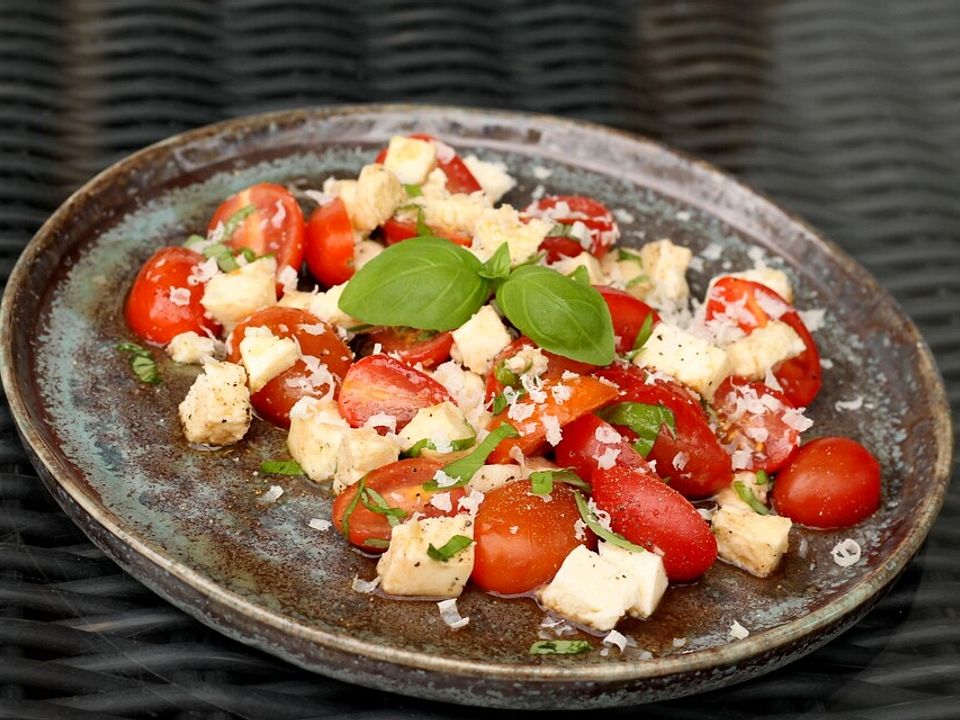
pixel 459 177
pixel 590 438
pixel 569 209
pixel 752 420
pixel 557 365
pixel 395 231
pixel 330 245
pixel 628 315
pixel 412 346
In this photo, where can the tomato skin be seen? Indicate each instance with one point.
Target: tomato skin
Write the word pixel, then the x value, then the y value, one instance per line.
pixel 592 213
pixel 651 514
pixel 557 365
pixel 395 231
pixel 274 400
pixel 275 226
pixel 782 440
pixel 380 384
pixel 580 447
pixel 558 248
pixel 459 177
pixel 148 310
pixel 401 485
pixel 545 533
pixel 628 315
pixel 407 344
pixel 831 482
pixel 330 246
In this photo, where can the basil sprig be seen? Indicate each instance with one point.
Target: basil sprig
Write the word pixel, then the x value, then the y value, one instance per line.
pixel 466 467
pixel 560 647
pixel 643 334
pixel 541 481
pixel 281 467
pixel 746 494
pixel 591 521
pixel 449 549
pixel 141 362
pixel 419 446
pixel 498 266
pixel 643 419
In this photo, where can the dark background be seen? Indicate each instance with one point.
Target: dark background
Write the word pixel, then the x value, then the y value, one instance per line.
pixel 847 112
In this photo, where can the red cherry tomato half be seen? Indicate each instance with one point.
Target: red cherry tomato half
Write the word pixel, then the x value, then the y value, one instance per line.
pixel 412 346
pixel 330 244
pixel 380 384
pixel 152 312
pixel 651 514
pixel 401 485
pixel 831 482
pixel 522 539
pixel 557 365
pixel 318 341
pixel 752 419
pixel 459 177
pixel 628 315
pixel 569 209
pixel 275 225
pixel 558 248
pixel 395 231
pixel 588 439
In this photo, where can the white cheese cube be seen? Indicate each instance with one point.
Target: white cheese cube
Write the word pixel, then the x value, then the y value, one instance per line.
pixel 479 340
pixel 567 265
pixel 749 540
pixel 666 266
pixel 362 450
pixel 378 195
pixel 529 361
pixel 693 361
pixel 216 410
pixel 763 349
pixel 326 306
pixel 346 190
pixel 297 299
pixel 410 159
pixel 441 424
pixel 457 213
pixel 503 225
pixel 435 188
pixel 366 251
pixel 265 355
pixel 774 279
pixel 490 477
pixel 647 568
pixel 467 389
pixel 626 273
pixel 730 497
pixel 492 176
pixel 590 590
pixel 406 568
pixel 233 296
pixel 189 347
pixel 316 433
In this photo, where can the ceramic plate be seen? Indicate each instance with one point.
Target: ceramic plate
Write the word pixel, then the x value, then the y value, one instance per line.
pixel 191 525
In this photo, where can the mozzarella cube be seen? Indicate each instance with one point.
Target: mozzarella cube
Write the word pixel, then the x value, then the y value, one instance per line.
pixel 590 590
pixel 479 340
pixel 490 477
pixel 366 251
pixel 467 389
pixel 316 433
pixel 346 190
pixel 693 361
pixel 730 497
pixel 457 213
pixel 763 349
pixel 216 410
pixel 410 159
pixel 361 450
pixel 265 355
pixel 772 278
pixel 189 347
pixel 625 270
pixel 406 568
pixel 435 187
pixel 441 424
pixel 503 225
pixel 326 307
pixel 378 195
pixel 492 176
pixel 647 568
pixel 567 265
pixel 231 297
pixel 753 542
pixel 297 299
pixel 666 266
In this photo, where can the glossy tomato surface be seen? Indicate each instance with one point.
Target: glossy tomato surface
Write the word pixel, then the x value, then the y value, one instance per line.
pixel 330 244
pixel 628 315
pixel 570 209
pixel 752 419
pixel 459 177
pixel 426 347
pixel 557 365
pixel 395 231
pixel 588 439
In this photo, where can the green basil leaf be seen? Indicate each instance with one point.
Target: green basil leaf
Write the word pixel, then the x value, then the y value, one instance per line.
pixel 196 243
pixel 641 279
pixel 762 477
pixel 746 494
pixel 141 362
pixel 643 334
pixel 463 469
pixel 558 314
pixel 507 378
pixel 542 481
pixel 449 549
pixel 351 506
pixel 224 255
pixel 560 647
pixel 413 190
pixel 498 266
pixel 281 467
pixel 625 254
pixel 560 230
pixel 592 522
pixel 133 348
pixel 418 447
pixel 499 404
pixel 234 221
pixel 645 420
pixel 581 275
pixel 424 283
pixel 376 543
pixel 375 502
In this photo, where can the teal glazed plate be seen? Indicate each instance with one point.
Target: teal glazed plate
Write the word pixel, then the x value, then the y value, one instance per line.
pixel 197 528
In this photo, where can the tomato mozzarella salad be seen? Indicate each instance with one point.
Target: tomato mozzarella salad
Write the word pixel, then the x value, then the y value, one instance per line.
pixel 501 396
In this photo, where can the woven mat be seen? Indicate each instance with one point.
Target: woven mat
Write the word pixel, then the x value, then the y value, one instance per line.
pixel 847 112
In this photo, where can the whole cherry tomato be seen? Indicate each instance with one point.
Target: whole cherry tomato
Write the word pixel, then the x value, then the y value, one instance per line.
pixel 752 418
pixel 330 244
pixel 628 314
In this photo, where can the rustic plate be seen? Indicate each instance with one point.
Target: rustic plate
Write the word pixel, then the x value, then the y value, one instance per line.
pixel 191 524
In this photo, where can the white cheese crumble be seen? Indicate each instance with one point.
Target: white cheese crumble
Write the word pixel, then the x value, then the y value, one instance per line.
pixel 846 553
pixel 814 319
pixel 442 502
pixel 382 420
pixel 854 404
pixel 608 458
pixel 271 495
pixel 618 639
pixel 450 615
pixel 738 631
pixel 443 480
pixel 552 425
pixel 320 524
pixel 180 296
pixel 365 586
pixel 607 435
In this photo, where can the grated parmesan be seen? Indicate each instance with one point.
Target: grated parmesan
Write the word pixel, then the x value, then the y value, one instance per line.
pixel 320 524
pixel 738 631
pixel 846 553
pixel 450 615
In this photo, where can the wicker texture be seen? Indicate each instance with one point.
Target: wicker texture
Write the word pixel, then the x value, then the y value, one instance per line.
pixel 845 112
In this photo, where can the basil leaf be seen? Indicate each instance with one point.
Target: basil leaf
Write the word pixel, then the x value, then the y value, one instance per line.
pixel 591 521
pixel 645 420
pixel 281 467
pixel 625 254
pixel 542 481
pixel 746 494
pixel 234 221
pixel 507 378
pixel 557 313
pixel 581 275
pixel 413 190
pixel 374 502
pixel 643 334
pixel 498 266
pixel 463 469
pixel 351 506
pixel 225 259
pixel 762 477
pixel 448 550
pixel 499 404
pixel 418 447
pixel 196 243
pixel 560 230
pixel 376 543
pixel 560 647
pixel 141 362
pixel 638 280
pixel 424 283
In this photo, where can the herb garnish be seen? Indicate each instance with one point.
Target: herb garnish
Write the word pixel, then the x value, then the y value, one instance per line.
pixel 281 467
pixel 746 494
pixel 374 502
pixel 449 549
pixel 762 477
pixel 592 522
pixel 541 482
pixel 413 190
pixel 560 647
pixel 466 467
pixel 643 419
pixel 141 362
pixel 427 444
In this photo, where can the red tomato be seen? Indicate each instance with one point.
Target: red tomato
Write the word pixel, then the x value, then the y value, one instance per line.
pixel 581 447
pixel 149 310
pixel 749 423
pixel 831 482
pixel 459 177
pixel 379 384
pixel 401 485
pixel 751 305
pixel 395 231
pixel 577 208
pixel 707 468
pixel 275 225
pixel 651 514
pixel 412 346
pixel 557 365
pixel 274 400
pixel 522 539
pixel 558 248
pixel 628 315
pixel 330 244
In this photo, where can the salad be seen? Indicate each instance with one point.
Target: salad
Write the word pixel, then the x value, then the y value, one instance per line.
pixel 502 396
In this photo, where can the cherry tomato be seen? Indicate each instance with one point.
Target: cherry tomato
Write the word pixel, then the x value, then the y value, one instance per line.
pixel 558 247
pixel 274 226
pixel 380 384
pixel 317 340
pixel 651 514
pixel 751 305
pixel 459 177
pixel 412 346
pixel 395 231
pixel 628 315
pixel 401 486
pixel 330 244
pixel 589 438
pixel 577 208
pixel 151 312
pixel 705 466
pixel 522 539
pixel 750 422
pixel 557 365
pixel 831 482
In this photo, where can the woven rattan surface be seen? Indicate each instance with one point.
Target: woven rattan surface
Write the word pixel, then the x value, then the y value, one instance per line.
pixel 847 112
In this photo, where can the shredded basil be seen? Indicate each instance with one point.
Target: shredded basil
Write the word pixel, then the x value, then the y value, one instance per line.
pixel 746 494
pixel 505 377
pixel 449 549
pixel 643 419
pixel 281 467
pixel 560 647
pixel 141 362
pixel 591 521
pixel 413 191
pixel 196 242
pixel 351 506
pixel 499 404
pixel 234 221
pixel 625 254
pixel 374 502
pixel 418 447
pixel 641 279
pixel 560 230
pixel 376 543
pixel 762 477
pixel 463 469
pixel 542 481
pixel 646 330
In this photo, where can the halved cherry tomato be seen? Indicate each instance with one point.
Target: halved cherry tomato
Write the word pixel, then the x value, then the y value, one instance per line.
pixel 628 315
pixel 588 439
pixel 152 313
pixel 401 486
pixel 459 177
pixel 751 418
pixel 705 466
pixel 558 248
pixel 831 482
pixel 557 365
pixel 752 305
pixel 330 244
pixel 380 384
pixel 395 231
pixel 275 225
pixel 578 208
pixel 651 514
pixel 585 395
pixel 412 346
pixel 522 539
pixel 317 340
